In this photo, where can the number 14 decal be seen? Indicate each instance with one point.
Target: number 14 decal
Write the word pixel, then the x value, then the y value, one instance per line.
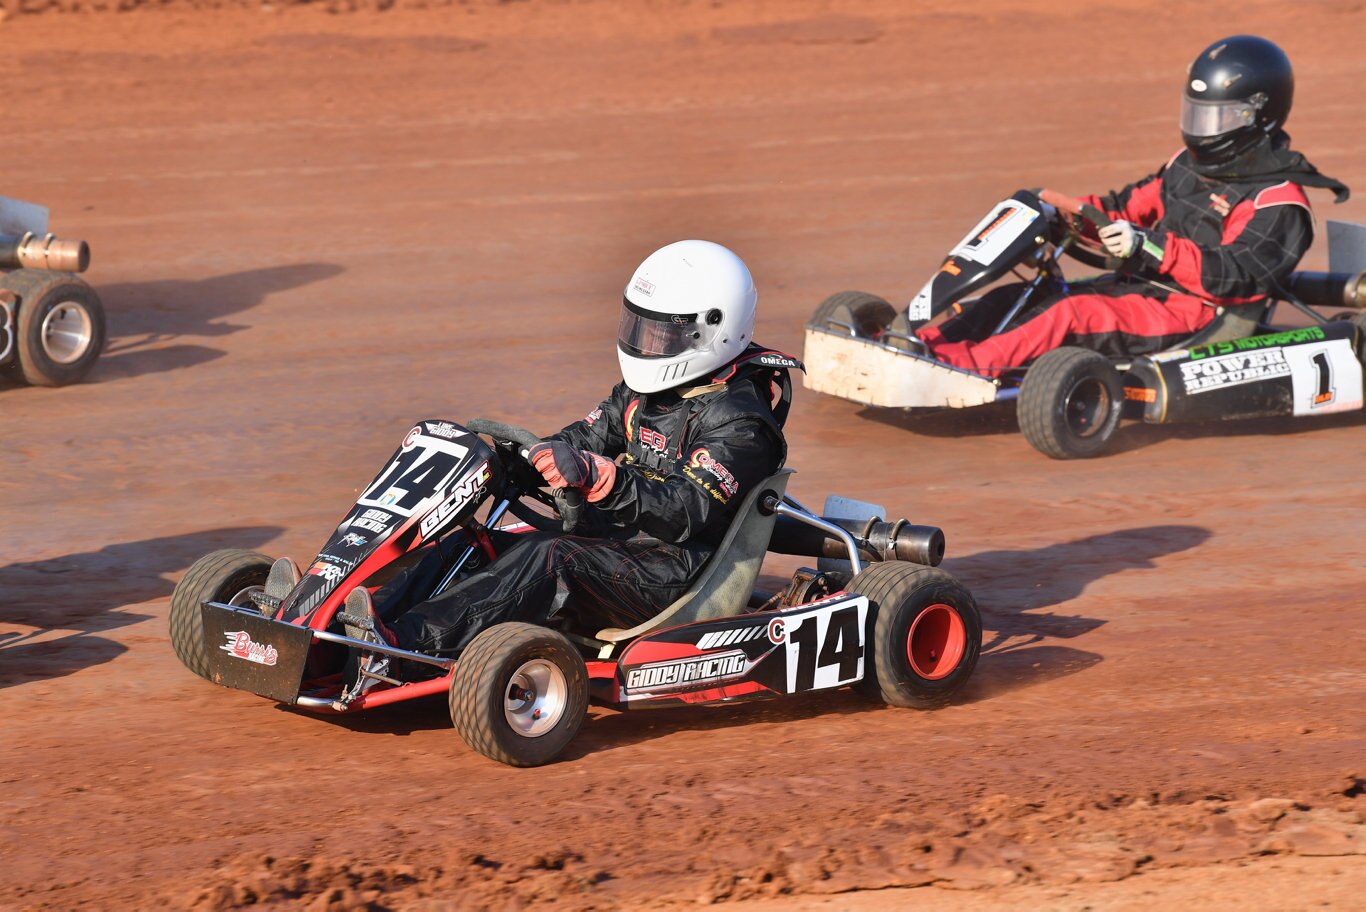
pixel 824 646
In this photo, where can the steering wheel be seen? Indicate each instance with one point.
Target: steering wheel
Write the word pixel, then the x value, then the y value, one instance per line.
pixel 1082 248
pixel 512 444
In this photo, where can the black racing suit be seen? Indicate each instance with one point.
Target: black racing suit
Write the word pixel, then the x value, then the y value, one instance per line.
pixel 686 461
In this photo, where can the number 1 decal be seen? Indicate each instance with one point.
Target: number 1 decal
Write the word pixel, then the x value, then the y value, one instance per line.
pixel 1324 393
pixel 825 647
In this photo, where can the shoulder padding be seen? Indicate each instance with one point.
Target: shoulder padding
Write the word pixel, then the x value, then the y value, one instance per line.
pixel 1283 194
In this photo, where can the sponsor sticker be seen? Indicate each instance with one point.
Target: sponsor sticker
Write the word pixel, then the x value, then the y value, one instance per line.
pixel 678 674
pixel 1233 370
pixel 442 429
pixel 240 645
pixel 460 495
pixel 1271 340
pixel 702 459
pixel 327 570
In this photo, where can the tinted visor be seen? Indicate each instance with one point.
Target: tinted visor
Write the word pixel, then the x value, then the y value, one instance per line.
pixel 1204 118
pixel 648 334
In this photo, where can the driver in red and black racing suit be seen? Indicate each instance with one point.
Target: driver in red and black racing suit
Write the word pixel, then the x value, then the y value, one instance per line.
pixel 695 426
pixel 1222 224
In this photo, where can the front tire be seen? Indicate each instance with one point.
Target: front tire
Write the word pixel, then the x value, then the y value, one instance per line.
pixel 519 694
pixel 925 633
pixel 867 313
pixel 60 328
pixel 231 576
pixel 1070 403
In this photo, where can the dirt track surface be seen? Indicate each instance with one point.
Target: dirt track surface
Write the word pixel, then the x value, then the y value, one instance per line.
pixel 310 230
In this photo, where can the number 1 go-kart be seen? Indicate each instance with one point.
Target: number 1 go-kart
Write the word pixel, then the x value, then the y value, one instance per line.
pixel 1070 401
pixel 880 617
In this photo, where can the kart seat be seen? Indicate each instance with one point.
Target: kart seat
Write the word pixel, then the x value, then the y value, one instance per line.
pixel 724 586
pixel 1230 323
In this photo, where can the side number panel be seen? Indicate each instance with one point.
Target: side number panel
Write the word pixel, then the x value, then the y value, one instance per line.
pixel 825 646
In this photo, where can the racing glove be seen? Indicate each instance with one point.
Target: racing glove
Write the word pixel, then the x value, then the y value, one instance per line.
pixel 1123 240
pixel 565 466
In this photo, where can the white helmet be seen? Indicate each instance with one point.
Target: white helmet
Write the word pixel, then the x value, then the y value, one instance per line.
pixel 687 311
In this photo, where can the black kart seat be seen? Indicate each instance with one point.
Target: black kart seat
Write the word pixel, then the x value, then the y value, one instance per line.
pixel 723 588
pixel 1230 323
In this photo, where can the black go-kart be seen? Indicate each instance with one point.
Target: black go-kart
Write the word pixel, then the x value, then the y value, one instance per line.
pixel 1070 401
pixel 51 322
pixel 876 613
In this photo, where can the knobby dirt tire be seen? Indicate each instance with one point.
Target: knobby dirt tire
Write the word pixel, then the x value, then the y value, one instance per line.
pixel 868 313
pixel 912 610
pixel 38 358
pixel 1070 403
pixel 483 678
pixel 215 577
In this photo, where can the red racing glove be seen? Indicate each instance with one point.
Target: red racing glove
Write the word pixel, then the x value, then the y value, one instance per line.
pixel 564 466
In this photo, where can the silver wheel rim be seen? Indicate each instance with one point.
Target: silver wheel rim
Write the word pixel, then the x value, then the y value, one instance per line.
pixel 536 697
pixel 66 332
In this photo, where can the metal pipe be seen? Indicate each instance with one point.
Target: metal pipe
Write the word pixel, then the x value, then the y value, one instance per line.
pixel 876 539
pixel 383 649
pixel 773 505
pixel 1330 289
pixel 47 252
pixel 495 514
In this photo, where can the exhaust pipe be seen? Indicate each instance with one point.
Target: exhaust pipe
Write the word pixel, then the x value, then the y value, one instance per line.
pixel 1330 289
pixel 46 252
pixel 877 540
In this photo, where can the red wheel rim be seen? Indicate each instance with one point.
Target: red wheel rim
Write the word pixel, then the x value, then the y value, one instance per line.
pixel 935 642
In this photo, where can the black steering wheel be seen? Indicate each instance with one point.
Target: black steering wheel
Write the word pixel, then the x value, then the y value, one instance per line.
pixel 512 444
pixel 1082 248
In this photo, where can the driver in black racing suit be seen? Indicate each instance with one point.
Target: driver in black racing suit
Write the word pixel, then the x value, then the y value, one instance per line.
pixel 663 462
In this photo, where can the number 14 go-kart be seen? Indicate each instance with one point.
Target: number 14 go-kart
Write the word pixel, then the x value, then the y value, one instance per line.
pixel 876 614
pixel 1070 401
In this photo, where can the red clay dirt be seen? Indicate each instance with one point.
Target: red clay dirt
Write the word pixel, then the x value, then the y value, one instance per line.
pixel 310 230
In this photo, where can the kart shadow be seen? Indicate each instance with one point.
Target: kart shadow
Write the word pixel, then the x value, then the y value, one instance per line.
pixel 1137 436
pixel 608 729
pixel 981 421
pixel 998 418
pixel 82 593
pixel 1013 587
pixel 142 315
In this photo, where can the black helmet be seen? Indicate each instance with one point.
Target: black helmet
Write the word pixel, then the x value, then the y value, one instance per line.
pixel 1238 90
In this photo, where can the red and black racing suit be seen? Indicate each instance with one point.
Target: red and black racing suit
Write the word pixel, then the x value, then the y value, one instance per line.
pixel 1211 242
pixel 687 461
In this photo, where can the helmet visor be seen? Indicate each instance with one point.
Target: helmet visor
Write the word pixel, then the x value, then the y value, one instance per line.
pixel 649 334
pixel 1205 118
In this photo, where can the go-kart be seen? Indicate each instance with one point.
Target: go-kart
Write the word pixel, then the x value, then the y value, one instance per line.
pixel 1069 402
pixel 51 321
pixel 876 613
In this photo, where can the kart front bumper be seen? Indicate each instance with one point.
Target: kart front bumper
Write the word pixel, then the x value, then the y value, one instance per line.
pixel 251 652
pixel 872 373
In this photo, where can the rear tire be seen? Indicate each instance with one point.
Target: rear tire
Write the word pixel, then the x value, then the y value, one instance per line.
pixel 230 576
pixel 59 329
pixel 867 313
pixel 925 633
pixel 519 694
pixel 1070 403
